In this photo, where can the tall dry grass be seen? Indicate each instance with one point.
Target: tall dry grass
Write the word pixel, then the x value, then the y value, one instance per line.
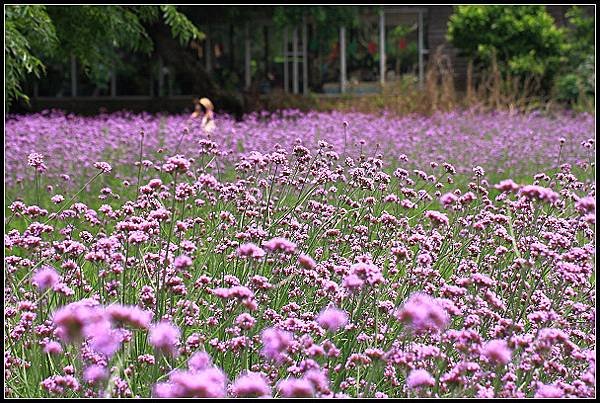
pixel 485 90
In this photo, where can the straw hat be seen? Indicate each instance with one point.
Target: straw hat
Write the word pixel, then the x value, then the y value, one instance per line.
pixel 207 104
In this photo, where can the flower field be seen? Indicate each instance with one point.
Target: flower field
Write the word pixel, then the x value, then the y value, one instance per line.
pixel 300 255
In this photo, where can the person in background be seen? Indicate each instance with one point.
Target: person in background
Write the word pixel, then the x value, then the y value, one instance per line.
pixel 204 108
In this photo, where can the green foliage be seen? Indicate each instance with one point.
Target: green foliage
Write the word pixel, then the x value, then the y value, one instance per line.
pixel 576 84
pixel 576 87
pixel 293 15
pixel 28 33
pixel 403 55
pixel 327 19
pixel 524 39
pixel 400 31
pixel 181 28
pixel 567 87
pixel 93 34
pixel 580 35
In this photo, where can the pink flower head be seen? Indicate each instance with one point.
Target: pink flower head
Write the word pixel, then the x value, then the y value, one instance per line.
pixel 176 163
pixel 448 198
pixel 275 342
pixel 367 272
pixel 280 244
pixel 130 315
pixel 307 262
pixel 507 185
pixel 209 382
pixel 332 319
pixel 419 378
pixel 182 262
pixel 250 250
pixel 245 321
pixel 586 205
pixel 318 378
pixel 437 217
pixel 423 313
pixel 497 352
pixel 53 347
pixel 544 390
pixel 57 199
pixel 352 282
pixel 94 374
pixel 166 390
pixel 164 337
pixel 534 192
pixel 72 320
pixel 103 166
pixel 45 277
pixel 251 384
pixel 199 361
pixel 36 160
pixel 103 339
pixel 238 291
pixel 296 388
pixel 467 198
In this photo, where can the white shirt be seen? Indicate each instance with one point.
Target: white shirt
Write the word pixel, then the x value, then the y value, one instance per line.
pixel 208 124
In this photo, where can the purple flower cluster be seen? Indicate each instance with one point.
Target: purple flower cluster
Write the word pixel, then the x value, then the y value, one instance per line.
pixel 267 260
pixel 70 142
pixel 423 313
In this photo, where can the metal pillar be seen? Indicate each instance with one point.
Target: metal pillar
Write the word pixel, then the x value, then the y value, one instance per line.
pixel 382 47
pixel 421 51
pixel 295 84
pixel 286 80
pixel 73 76
pixel 343 59
pixel 304 57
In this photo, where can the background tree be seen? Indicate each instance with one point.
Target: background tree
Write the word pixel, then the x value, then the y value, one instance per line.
pixel 576 83
pixel 29 36
pixel 524 39
pixel 36 35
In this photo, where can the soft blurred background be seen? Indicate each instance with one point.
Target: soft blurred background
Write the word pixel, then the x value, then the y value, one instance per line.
pixel 399 59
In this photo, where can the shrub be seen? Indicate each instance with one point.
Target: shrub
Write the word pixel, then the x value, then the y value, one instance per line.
pixel 524 39
pixel 576 85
